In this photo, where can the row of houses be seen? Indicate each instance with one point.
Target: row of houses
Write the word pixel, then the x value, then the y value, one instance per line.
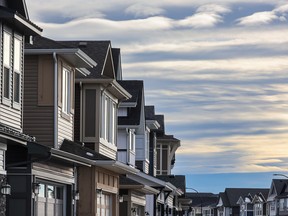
pixel 271 201
pixel 75 137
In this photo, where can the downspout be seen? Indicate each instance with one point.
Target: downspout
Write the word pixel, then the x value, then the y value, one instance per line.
pixel 55 101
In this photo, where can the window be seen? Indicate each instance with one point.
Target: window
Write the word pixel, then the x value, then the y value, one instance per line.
pixel 50 200
pixel 122 112
pixel 104 205
pixel 109 119
pixel 7 64
pixel 66 91
pixel 17 70
pixel 132 140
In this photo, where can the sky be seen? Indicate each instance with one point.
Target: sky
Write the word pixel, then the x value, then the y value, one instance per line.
pixel 216 69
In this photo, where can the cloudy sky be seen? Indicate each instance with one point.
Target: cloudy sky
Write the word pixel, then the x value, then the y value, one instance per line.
pixel 217 70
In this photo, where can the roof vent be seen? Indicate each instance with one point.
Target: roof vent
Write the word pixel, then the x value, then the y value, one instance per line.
pixel 82 44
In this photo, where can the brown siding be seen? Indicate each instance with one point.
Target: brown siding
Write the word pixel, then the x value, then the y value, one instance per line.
pixel 38 120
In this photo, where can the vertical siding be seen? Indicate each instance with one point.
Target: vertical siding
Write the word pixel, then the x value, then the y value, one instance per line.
pixel 65 127
pixel 38 120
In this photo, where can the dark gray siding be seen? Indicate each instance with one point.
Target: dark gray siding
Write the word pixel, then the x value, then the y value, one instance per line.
pixel 38 120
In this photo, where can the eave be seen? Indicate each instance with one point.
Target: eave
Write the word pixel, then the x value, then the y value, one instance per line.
pixel 19 22
pixel 152 124
pixel 74 56
pixel 115 166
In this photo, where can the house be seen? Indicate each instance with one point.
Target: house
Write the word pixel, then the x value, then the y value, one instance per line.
pixel 43 176
pixel 180 203
pixel 277 201
pixel 98 96
pixel 228 201
pixel 202 203
pixel 253 205
pixel 15 28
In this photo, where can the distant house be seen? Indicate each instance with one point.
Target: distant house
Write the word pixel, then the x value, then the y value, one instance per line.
pixel 228 204
pixel 253 205
pixel 202 203
pixel 277 200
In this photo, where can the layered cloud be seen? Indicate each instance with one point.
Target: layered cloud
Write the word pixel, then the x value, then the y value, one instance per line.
pixel 221 84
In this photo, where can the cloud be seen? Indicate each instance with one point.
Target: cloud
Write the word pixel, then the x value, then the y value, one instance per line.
pixel 265 17
pixel 141 10
pixel 206 16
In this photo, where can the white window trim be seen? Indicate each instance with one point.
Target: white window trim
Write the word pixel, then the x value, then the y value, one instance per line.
pixel 66 91
pixel 7 35
pixel 16 104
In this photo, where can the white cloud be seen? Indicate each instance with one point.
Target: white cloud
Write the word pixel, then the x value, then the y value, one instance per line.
pixel 141 10
pixel 264 17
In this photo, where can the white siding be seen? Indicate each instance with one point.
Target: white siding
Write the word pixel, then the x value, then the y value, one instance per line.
pixel 65 127
pixel 11 117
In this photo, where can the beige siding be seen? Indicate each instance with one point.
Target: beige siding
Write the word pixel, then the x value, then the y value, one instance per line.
pixel 65 127
pixel 38 120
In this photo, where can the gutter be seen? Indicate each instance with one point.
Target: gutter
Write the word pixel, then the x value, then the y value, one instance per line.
pixel 55 100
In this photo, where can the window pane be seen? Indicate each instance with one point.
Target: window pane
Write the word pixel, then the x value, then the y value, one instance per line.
pixel 59 193
pixel 42 190
pixel 66 90
pixel 90 112
pixel 17 54
pixel 6 83
pixel 7 49
pixel 50 191
pixel 17 87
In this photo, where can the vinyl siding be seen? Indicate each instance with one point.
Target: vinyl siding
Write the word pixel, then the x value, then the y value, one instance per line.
pixel 65 127
pixel 38 120
pixel 8 114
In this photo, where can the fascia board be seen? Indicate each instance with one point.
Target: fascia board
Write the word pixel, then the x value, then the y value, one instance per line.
pixel 93 81
pixel 37 31
pixel 123 168
pixel 128 104
pixel 85 60
pixel 121 90
pixel 152 124
pixel 71 157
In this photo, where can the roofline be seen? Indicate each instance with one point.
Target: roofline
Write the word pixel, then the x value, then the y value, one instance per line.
pixel 152 124
pixel 91 81
pixel 37 30
pixel 120 89
pixel 127 169
pixel 78 52
pixel 70 157
pixel 128 104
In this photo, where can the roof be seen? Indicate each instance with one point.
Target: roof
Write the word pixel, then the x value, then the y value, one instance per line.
pixel 81 150
pixel 19 21
pixel 202 199
pixel 178 181
pixel 233 194
pixel 136 89
pixel 19 6
pixel 161 130
pixel 98 51
pixel 150 113
pixel 74 55
pixel 116 55
pixel 279 184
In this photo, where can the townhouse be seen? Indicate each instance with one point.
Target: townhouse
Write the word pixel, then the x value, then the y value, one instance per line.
pixel 238 201
pixel 15 28
pixel 277 201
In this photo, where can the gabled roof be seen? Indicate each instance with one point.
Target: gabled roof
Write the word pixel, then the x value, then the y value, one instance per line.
pixel 100 52
pixel 117 63
pixel 19 21
pixel 279 186
pixel 202 199
pixel 179 181
pixel 19 6
pixel 74 55
pixel 150 113
pixel 233 194
pixel 136 89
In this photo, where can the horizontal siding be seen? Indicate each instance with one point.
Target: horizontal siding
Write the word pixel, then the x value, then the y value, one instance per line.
pixel 55 168
pixel 11 117
pixel 65 127
pixel 37 120
pixel 1 160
